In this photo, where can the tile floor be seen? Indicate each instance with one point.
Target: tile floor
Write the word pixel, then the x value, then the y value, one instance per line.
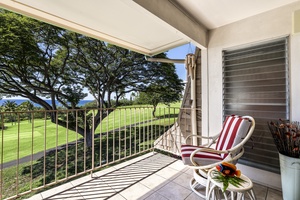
pixel 150 177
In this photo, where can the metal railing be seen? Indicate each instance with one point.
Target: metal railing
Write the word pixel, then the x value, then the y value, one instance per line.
pixel 39 149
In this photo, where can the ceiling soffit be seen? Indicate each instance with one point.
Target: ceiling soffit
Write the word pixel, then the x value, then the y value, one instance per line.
pixel 216 13
pixel 120 22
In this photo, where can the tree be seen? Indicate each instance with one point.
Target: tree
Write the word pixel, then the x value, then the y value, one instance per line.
pixel 39 60
pixel 27 106
pixel 29 65
pixel 32 67
pixel 160 93
pixel 10 106
pixel 167 89
pixel 164 91
pixel 113 71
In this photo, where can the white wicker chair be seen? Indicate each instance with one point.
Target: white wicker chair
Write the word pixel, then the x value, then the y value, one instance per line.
pixel 225 146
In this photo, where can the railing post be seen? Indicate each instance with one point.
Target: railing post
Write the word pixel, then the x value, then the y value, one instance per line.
pixel 2 154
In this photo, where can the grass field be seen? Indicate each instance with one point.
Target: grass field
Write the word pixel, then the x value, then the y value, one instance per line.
pixel 41 134
pixel 32 138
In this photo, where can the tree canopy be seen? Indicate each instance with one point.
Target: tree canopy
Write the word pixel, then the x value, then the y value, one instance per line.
pixel 39 61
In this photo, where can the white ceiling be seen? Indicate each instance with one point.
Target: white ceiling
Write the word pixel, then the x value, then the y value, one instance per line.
pixel 215 13
pixel 130 25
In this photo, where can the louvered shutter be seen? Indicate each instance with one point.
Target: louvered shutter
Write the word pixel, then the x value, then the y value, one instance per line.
pixel 255 82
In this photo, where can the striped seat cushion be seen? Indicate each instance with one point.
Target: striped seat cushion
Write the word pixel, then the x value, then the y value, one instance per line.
pixel 234 130
pixel 201 158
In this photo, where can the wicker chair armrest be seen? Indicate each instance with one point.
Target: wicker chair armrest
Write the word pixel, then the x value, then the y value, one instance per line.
pixel 209 150
pixel 229 158
pixel 212 139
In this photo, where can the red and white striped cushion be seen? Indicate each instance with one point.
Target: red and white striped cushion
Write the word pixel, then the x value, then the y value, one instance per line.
pixel 234 130
pixel 201 158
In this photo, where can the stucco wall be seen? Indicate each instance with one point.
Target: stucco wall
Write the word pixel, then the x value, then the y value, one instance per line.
pixel 263 27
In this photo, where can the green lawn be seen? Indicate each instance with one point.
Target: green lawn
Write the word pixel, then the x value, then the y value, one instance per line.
pixel 132 115
pixel 32 138
pixel 40 135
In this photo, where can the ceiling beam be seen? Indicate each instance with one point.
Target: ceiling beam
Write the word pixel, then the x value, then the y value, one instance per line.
pixel 167 11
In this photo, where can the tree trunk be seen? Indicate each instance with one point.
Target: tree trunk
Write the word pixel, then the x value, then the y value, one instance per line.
pixel 89 139
pixel 154 110
pixel 85 132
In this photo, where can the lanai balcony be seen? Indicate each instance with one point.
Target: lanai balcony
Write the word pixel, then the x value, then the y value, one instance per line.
pixel 133 156
pixel 150 27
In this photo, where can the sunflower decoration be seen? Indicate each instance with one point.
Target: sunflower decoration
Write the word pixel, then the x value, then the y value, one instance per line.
pixel 228 174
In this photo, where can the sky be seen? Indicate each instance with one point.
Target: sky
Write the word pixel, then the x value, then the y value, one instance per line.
pixel 180 53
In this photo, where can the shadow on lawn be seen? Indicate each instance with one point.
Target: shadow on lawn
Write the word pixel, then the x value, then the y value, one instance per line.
pixel 71 159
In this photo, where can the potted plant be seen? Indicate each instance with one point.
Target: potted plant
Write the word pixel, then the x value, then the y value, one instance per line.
pixel 286 137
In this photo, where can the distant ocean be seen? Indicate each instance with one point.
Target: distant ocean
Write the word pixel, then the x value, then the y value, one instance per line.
pixel 19 101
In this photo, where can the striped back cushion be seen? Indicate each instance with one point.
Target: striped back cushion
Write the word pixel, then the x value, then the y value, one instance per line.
pixel 234 130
